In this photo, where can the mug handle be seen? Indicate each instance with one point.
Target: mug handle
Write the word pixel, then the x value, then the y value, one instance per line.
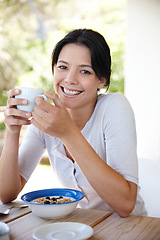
pixel 43 96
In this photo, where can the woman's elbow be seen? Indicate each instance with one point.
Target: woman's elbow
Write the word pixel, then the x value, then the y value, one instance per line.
pixel 7 198
pixel 127 210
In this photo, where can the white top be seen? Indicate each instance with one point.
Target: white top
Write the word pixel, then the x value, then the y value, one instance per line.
pixel 110 131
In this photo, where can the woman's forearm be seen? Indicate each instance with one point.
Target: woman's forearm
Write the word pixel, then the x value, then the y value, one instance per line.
pixel 10 180
pixel 112 187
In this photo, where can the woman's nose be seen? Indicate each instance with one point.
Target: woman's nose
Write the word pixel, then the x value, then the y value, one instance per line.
pixel 71 77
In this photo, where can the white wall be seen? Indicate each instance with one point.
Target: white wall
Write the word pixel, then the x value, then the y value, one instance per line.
pixel 142 68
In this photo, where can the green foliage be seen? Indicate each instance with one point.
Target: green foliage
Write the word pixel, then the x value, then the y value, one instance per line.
pixel 3 98
pixel 117 76
pixel 30 29
pixel 2 126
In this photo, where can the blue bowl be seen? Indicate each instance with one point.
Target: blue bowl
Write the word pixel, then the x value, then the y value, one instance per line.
pixel 53 211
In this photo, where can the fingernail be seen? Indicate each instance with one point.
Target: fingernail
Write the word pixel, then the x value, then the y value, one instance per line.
pixel 28 114
pixel 16 90
pixel 24 101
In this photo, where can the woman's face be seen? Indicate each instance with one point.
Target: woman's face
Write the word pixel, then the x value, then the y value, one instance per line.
pixel 75 81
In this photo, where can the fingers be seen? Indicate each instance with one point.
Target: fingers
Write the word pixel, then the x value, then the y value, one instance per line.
pixel 54 97
pixel 14 118
pixel 13 92
pixel 45 115
pixel 11 121
pixel 14 123
pixel 50 119
pixel 12 101
pixel 39 114
pixel 38 122
pixel 18 113
pixel 45 106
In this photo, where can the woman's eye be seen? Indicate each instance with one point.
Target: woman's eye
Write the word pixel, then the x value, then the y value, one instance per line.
pixel 86 72
pixel 62 67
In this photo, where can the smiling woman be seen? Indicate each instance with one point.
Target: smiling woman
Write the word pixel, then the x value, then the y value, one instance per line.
pixel 75 78
pixel 90 137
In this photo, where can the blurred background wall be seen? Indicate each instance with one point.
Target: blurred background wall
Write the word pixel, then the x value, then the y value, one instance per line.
pixel 142 73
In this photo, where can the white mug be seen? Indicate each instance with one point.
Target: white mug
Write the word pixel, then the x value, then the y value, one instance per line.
pixel 30 94
pixel 4 231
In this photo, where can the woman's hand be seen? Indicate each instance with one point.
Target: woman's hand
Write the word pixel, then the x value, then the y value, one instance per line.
pixel 14 118
pixel 53 120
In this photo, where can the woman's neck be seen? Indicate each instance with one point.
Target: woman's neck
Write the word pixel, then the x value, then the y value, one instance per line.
pixel 81 116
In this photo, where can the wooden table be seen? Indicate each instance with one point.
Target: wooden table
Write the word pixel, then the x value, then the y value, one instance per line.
pixel 106 225
pixel 130 228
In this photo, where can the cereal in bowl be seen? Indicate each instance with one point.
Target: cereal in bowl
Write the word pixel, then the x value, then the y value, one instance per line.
pixel 52 200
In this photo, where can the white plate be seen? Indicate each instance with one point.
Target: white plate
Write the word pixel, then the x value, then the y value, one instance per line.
pixel 63 231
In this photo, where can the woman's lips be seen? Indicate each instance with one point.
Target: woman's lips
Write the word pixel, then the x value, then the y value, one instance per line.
pixel 70 92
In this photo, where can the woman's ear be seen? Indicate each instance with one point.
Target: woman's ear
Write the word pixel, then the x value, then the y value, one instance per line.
pixel 102 82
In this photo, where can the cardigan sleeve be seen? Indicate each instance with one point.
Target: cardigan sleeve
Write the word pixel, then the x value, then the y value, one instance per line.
pixel 120 137
pixel 30 151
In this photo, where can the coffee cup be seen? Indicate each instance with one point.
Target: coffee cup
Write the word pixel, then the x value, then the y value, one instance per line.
pixel 29 94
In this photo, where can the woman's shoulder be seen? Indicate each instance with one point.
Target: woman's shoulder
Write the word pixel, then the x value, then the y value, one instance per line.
pixel 113 103
pixel 112 98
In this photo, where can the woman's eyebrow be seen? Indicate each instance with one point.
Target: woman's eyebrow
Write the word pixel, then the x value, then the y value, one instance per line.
pixel 86 65
pixel 62 61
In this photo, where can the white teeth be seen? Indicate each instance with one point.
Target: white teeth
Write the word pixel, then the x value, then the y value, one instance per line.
pixel 71 92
